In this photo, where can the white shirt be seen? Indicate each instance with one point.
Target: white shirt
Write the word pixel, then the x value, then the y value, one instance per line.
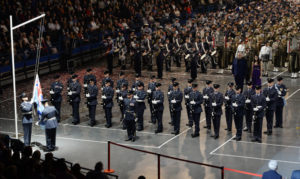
pixel 240 50
pixel 266 51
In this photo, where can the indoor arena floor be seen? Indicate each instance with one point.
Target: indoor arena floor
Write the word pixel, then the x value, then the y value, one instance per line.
pixel 88 145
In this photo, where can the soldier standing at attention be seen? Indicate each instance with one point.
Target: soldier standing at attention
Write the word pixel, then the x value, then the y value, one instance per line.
pixel 238 104
pixel 91 95
pixel 151 89
pixel 216 104
pixel 207 91
pixel 74 95
pixel 187 91
pixel 107 102
pixel 271 94
pixel 175 102
pixel 248 108
pixel 140 96
pixel 228 106
pixel 130 116
pixel 158 107
pixel 55 93
pixel 195 101
pixel 26 109
pixel 280 101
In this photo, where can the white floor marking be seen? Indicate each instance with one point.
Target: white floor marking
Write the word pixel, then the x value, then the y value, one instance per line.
pixel 222 145
pixel 277 145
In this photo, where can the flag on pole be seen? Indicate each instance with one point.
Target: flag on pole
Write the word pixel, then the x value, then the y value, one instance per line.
pixel 37 96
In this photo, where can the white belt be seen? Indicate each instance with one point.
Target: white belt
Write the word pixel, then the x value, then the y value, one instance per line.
pixel 52 118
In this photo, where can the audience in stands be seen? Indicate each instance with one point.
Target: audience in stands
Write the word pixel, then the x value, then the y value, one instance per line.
pixel 97 173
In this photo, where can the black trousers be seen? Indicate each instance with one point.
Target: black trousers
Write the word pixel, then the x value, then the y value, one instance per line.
pixel 153 116
pixel 189 115
pixel 57 106
pixel 50 138
pixel 238 121
pixel 130 124
pixel 27 129
pixel 108 115
pixel 171 114
pixel 158 116
pixel 278 112
pixel 249 117
pixel 239 81
pixel 140 116
pixel 159 64
pixel 216 122
pixel 176 120
pixel 269 117
pixel 228 115
pixel 75 107
pixel 196 119
pixel 208 117
pixel 92 113
pixel 257 131
pixel 168 64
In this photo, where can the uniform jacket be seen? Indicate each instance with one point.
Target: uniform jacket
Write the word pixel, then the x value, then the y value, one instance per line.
pixel 259 100
pixel 26 109
pixel 57 88
pixel 230 93
pixel 281 91
pixel 76 89
pixel 129 108
pixel 217 97
pixel 177 95
pixel 49 117
pixel 158 96
pixel 207 91
pixel 141 94
pixel 93 91
pixel 186 92
pixel 198 98
pixel 271 174
pixel 272 94
pixel 109 93
pixel 239 99
pixel 248 94
pixel 120 82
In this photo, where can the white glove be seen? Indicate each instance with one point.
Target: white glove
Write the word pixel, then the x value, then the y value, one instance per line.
pixel 255 109
pixel 131 104
pixel 133 89
pixel 258 107
pixel 87 95
pixel 226 97
pixel 173 101
pixel 193 102
pixel 248 101
pixel 85 85
pixel 136 119
pixel 187 96
pixel 149 91
pixel 103 97
pixel 169 93
pixel 121 98
pixel 135 96
pixel 37 123
pixel 51 92
pixel 279 92
pixel 234 105
pixel 70 93
pixel 101 89
pixel 154 102
pixel 214 104
pixel 117 91
pixel 205 97
pixel 267 99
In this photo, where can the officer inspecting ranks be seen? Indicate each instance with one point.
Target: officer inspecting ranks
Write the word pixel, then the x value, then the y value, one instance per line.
pixel 49 120
pixel 55 93
pixel 207 91
pixel 91 95
pixel 26 109
pixel 228 105
pixel 280 101
pixel 271 94
pixel 187 91
pixel 130 116
pixel 140 96
pixel 122 95
pixel 151 89
pixel 158 107
pixel 238 103
pixel 74 97
pixel 175 106
pixel 248 108
pixel 258 102
pixel 195 101
pixel 216 102
pixel 107 101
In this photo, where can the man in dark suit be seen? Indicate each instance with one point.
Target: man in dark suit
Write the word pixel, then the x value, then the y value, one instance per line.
pixel 272 173
pixel 239 71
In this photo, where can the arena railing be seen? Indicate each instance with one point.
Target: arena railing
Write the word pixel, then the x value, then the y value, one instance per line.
pixel 159 156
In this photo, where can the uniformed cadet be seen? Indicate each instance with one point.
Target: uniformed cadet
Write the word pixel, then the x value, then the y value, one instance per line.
pixel 49 120
pixel 140 96
pixel 216 104
pixel 195 101
pixel 55 93
pixel 91 95
pixel 87 77
pixel 187 91
pixel 238 104
pixel 26 109
pixel 74 96
pixel 248 108
pixel 121 97
pixel 175 102
pixel 228 105
pixel 265 55
pixel 121 81
pixel 271 94
pixel 207 91
pixel 258 103
pixel 136 82
pixel 150 90
pixel 170 89
pixel 130 115
pixel 107 102
pixel 107 78
pixel 158 107
pixel 280 101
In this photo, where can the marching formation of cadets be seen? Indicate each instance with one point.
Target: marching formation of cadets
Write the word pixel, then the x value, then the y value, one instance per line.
pixel 252 104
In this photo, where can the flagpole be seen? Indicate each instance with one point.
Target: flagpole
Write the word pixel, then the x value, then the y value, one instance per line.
pixel 14 75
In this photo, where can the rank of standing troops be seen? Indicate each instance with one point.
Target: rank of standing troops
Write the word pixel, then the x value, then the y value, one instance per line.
pixel 246 108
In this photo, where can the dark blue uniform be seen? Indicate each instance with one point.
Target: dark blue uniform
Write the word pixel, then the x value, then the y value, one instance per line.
pixel 280 102
pixel 88 78
pixel 238 104
pixel 216 97
pixel 151 89
pixel 228 109
pixel 271 94
pixel 122 95
pixel 158 108
pixel 196 99
pixel 92 93
pixel 26 109
pixel 140 96
pixel 170 90
pixel 107 101
pixel 56 98
pixel 49 120
pixel 121 82
pixel 187 91
pixel 130 109
pixel 248 108
pixel 107 79
pixel 258 101
pixel 207 91
pixel 271 174
pixel 74 96
pixel 135 85
pixel 176 109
